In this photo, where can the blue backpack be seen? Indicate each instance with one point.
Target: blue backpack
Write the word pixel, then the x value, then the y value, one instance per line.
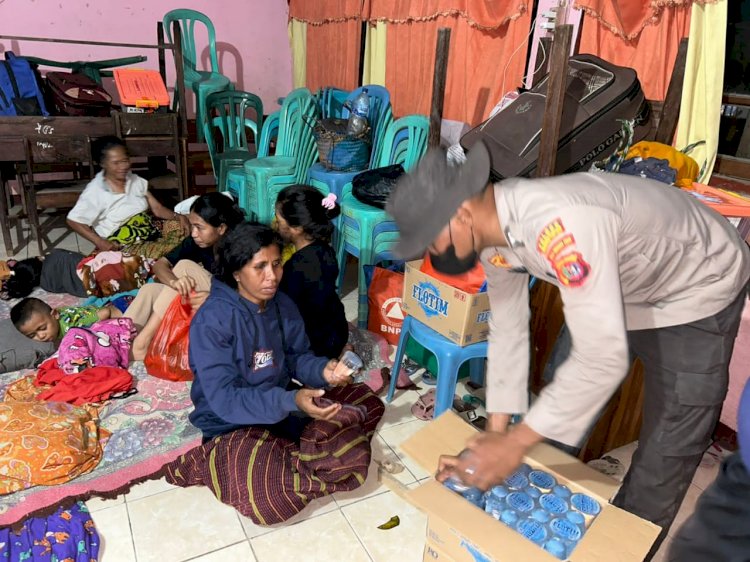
pixel 20 92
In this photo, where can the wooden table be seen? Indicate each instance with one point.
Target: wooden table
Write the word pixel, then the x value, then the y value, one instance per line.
pixel 151 135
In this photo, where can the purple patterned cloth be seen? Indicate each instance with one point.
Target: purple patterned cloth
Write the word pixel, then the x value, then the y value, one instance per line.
pixel 103 344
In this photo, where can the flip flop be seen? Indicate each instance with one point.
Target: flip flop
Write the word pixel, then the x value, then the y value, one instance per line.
pixel 424 407
pixel 429 379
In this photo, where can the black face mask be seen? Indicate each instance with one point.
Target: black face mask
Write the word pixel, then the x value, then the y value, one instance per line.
pixel 449 263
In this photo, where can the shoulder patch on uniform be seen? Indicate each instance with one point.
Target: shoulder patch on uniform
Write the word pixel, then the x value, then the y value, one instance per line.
pixel 571 269
pixel 548 234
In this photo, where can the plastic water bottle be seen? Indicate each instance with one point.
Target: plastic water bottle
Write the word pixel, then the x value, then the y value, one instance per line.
pixel 359 114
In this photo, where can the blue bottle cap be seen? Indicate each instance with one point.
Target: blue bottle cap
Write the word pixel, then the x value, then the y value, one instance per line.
pixel 456 485
pixel 532 530
pixel 553 504
pixel 517 481
pixel 585 504
pixel 520 501
pixel 533 492
pixel 541 515
pixel 565 529
pixel 542 479
pixel 499 492
pixel 556 548
pixel 562 491
pixel 474 495
pixel 524 469
pixel 509 517
pixel 494 507
pixel 576 517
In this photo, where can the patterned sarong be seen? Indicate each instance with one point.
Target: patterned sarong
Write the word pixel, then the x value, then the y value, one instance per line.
pixel 269 478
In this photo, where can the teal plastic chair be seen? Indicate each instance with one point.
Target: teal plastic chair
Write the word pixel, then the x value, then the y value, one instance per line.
pixel 367 232
pixel 235 177
pixel 331 102
pixel 295 152
pixel 202 82
pixel 229 117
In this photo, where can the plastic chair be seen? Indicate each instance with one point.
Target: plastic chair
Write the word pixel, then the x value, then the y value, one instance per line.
pixel 227 113
pixel 295 152
pixel 366 231
pixel 450 356
pixel 331 102
pixel 202 82
pixel 235 177
pixel 330 181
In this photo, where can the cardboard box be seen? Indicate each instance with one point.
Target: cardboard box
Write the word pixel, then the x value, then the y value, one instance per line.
pixel 433 553
pixel 459 531
pixel 459 316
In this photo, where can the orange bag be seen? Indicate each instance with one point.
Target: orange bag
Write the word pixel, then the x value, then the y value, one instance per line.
pixel 469 282
pixel 167 355
pixel 384 299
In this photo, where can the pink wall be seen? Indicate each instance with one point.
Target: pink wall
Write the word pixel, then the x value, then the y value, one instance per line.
pixel 251 35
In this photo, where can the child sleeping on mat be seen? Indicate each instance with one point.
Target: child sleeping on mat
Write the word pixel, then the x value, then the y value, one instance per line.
pixel 37 320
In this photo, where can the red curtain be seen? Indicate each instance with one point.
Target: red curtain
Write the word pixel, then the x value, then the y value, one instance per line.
pixel 651 52
pixel 487 56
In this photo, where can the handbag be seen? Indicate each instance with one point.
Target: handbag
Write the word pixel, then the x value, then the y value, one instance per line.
pixel 374 186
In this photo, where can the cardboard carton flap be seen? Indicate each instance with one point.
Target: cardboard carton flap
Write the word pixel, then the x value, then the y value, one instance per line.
pixel 446 435
pixel 616 535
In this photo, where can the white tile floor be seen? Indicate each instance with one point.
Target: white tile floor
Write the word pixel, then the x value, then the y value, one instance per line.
pixel 158 522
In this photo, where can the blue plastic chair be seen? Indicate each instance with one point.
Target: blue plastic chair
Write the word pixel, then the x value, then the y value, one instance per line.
pixel 229 116
pixel 330 181
pixel 202 82
pixel 366 231
pixel 450 356
pixel 331 102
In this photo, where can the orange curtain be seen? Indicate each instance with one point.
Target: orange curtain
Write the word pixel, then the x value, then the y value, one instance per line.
pixel 482 14
pixel 333 41
pixel 651 52
pixel 487 56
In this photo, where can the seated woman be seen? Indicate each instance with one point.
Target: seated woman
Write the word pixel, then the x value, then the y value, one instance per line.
pixel 270 446
pixel 111 211
pixel 187 269
pixel 304 218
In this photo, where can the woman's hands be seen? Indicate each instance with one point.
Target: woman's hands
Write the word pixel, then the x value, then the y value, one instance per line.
pixel 304 400
pixel 197 298
pixel 104 245
pixel 183 285
pixel 184 224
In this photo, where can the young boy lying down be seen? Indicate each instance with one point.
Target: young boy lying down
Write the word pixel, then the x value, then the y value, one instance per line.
pixel 37 320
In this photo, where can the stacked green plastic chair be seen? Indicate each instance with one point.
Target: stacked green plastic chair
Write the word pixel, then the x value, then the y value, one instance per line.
pixel 367 232
pixel 295 152
pixel 229 117
pixel 202 82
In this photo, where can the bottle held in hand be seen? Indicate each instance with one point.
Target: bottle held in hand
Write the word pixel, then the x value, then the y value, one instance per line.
pixel 349 365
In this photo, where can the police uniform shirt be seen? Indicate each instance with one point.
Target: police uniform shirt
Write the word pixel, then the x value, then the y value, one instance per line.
pixel 627 254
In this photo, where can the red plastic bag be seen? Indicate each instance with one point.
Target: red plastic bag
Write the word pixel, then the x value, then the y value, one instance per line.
pixel 384 300
pixel 469 282
pixel 167 355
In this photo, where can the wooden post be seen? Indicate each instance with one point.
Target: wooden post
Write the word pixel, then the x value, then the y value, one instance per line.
pixel 438 85
pixel 160 42
pixel 179 70
pixel 555 95
pixel 542 59
pixel 670 112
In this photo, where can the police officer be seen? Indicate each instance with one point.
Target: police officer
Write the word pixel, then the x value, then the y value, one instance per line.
pixel 642 268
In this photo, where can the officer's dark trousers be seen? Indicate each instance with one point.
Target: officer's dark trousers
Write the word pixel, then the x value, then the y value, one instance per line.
pixel 686 378
pixel 719 529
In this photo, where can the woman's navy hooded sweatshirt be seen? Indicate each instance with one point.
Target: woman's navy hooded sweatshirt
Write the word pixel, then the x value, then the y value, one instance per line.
pixel 241 367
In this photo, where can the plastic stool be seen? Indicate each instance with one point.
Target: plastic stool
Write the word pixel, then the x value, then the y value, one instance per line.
pixel 450 356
